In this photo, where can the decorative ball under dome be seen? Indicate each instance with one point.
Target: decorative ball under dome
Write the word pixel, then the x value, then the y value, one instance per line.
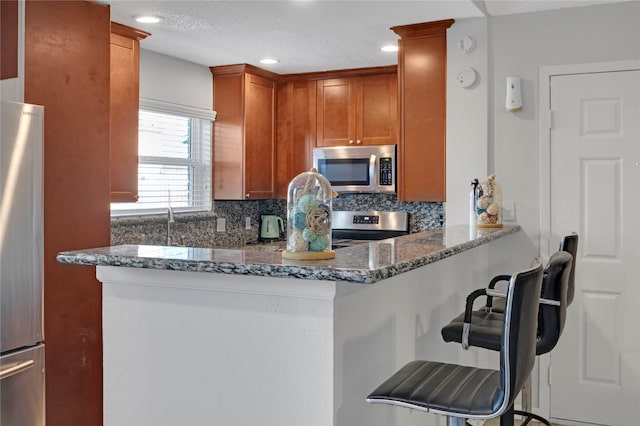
pixel 297 242
pixel 309 217
pixel 308 235
pixel 299 219
pixel 308 202
pixel 320 243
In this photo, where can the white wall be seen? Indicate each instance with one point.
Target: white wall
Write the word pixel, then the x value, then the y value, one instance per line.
pixel 169 79
pixel 518 45
pixel 10 89
pixel 467 118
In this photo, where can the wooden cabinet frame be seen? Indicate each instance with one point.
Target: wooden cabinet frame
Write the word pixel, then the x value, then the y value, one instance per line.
pixel 124 108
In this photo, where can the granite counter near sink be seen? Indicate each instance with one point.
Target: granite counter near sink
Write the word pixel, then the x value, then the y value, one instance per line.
pixel 363 263
pixel 299 342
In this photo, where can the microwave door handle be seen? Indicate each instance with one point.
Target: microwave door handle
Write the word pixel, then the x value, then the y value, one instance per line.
pixel 372 171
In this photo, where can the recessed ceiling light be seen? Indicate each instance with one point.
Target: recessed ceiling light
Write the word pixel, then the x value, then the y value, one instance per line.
pixel 269 61
pixel 147 19
pixel 389 48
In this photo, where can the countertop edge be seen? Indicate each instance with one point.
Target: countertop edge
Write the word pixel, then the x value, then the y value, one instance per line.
pixel 273 266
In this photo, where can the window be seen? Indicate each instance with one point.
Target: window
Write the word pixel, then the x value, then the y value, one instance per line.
pixel 174 163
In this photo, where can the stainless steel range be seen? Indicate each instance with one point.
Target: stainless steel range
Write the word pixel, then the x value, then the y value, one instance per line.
pixel 356 227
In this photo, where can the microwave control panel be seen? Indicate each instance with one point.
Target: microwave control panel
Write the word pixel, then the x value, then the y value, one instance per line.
pixel 386 169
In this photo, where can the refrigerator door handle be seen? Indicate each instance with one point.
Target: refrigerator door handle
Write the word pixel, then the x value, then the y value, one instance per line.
pixel 15 368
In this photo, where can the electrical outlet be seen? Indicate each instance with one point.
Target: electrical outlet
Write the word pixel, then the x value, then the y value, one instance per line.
pixel 221 224
pixel 247 222
pixel 509 211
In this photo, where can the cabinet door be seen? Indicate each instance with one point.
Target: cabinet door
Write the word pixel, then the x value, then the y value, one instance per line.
pixel 336 112
pixel 296 131
pixel 228 137
pixel 259 137
pixel 125 69
pixel 9 37
pixel 377 119
pixel 422 147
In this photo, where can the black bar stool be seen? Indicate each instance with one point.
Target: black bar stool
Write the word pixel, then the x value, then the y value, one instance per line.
pixel 483 328
pixel 462 392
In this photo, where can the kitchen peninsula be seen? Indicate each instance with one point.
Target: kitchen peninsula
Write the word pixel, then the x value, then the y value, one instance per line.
pixel 243 337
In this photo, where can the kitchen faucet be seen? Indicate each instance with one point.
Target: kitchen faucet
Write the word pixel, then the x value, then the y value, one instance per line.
pixel 170 220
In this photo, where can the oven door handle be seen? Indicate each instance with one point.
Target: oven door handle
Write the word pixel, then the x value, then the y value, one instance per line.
pixel 372 172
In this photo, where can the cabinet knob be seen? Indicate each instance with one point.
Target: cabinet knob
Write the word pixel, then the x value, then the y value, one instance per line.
pixel 358 141
pixel 350 141
pixel 246 195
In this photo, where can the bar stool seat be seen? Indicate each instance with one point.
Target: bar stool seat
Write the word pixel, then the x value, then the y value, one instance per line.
pixel 463 392
pixel 444 387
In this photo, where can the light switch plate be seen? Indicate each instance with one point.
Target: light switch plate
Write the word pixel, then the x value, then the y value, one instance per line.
pixel 247 222
pixel 509 211
pixel 221 224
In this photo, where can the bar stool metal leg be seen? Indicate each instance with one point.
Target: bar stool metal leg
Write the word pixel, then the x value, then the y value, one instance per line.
pixel 527 406
pixel 526 396
pixel 455 421
pixel 507 418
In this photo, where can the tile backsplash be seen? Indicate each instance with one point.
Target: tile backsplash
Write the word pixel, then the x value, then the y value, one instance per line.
pixel 199 230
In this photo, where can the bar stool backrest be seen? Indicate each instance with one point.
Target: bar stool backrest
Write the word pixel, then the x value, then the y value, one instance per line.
pixel 519 336
pixel 570 244
pixel 555 285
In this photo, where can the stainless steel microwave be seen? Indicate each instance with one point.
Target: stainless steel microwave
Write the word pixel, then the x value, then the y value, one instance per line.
pixel 369 168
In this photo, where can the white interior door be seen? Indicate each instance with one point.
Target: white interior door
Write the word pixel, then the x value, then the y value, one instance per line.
pixel 595 190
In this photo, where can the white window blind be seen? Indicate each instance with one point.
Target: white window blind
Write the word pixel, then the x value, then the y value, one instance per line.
pixel 174 164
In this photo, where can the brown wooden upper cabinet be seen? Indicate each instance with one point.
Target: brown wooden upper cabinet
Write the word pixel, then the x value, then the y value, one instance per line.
pixel 296 134
pixel 244 98
pixel 8 39
pixel 357 110
pixel 422 62
pixel 124 105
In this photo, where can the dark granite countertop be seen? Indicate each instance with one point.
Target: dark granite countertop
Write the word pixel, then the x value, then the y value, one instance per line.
pixel 363 263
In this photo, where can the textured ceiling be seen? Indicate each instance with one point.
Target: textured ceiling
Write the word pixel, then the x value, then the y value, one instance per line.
pixel 304 35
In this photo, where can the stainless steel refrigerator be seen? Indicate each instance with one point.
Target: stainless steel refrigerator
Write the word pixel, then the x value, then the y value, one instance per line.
pixel 21 265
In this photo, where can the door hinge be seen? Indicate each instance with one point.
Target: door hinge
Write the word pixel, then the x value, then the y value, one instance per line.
pixel 550 119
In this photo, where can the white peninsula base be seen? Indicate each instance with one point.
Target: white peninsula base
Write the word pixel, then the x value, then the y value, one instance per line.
pixel 191 348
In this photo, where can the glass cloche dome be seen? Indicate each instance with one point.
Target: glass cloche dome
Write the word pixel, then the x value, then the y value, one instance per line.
pixel 309 217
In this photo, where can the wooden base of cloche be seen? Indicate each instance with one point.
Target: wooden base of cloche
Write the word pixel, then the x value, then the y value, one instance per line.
pixel 308 255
